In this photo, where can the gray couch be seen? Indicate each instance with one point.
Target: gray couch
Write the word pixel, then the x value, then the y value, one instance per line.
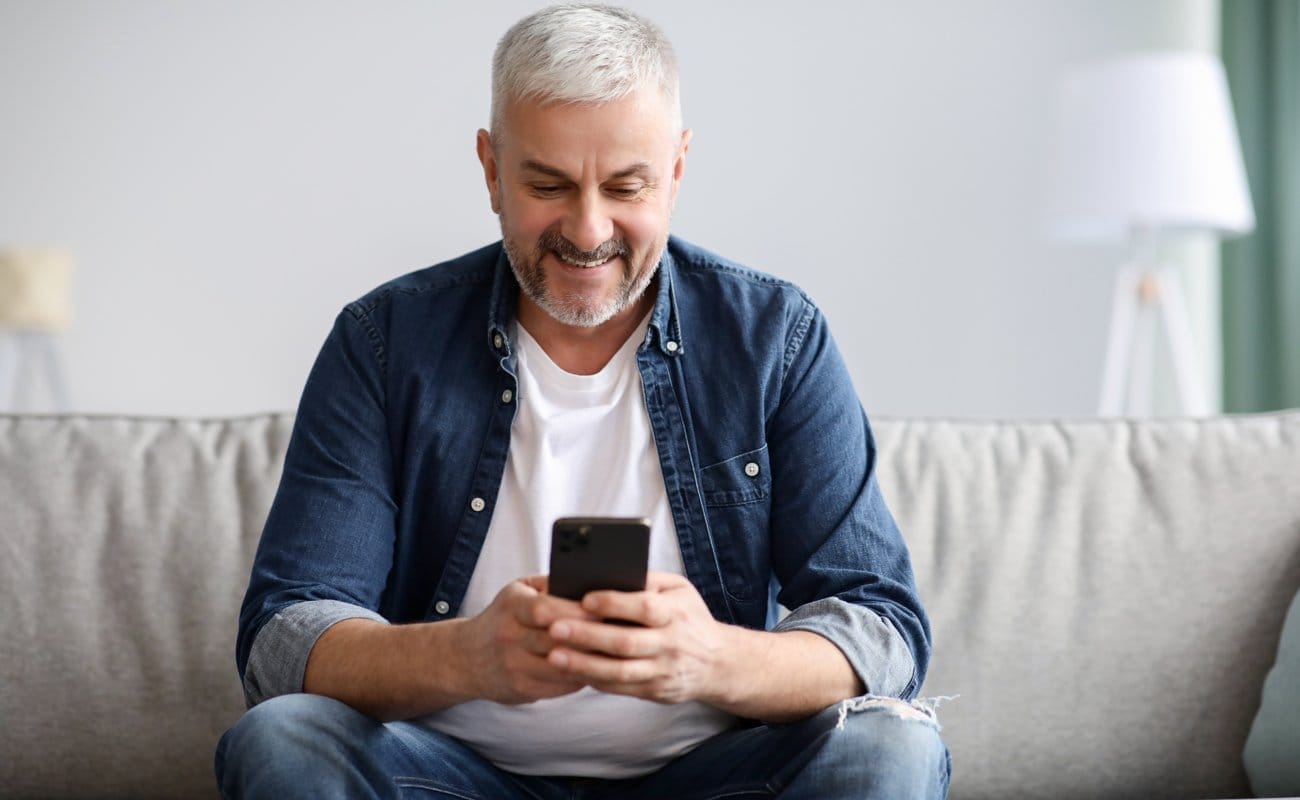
pixel 1106 596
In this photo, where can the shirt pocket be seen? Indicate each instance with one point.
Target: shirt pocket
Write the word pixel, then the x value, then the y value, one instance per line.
pixel 738 480
pixel 736 499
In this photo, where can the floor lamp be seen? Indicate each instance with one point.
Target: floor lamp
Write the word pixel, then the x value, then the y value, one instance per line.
pixel 35 306
pixel 1147 148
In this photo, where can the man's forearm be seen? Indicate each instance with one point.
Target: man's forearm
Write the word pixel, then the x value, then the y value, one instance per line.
pixel 385 671
pixel 783 676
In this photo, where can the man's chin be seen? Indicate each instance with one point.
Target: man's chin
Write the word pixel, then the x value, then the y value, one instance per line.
pixel 581 315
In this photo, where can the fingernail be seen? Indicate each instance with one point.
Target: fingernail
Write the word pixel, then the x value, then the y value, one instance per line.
pixel 559 658
pixel 560 631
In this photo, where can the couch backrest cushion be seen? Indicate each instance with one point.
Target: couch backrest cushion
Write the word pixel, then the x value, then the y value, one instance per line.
pixel 125 546
pixel 1106 596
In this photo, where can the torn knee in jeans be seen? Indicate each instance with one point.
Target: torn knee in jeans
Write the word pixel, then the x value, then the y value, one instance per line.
pixel 919 710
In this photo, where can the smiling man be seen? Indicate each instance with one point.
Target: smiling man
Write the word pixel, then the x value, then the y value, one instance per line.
pixel 397 638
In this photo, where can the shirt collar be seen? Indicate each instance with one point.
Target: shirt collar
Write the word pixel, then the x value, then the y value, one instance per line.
pixel 504 302
pixel 665 321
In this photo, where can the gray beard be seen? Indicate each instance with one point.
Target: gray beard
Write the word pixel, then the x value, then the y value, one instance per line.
pixel 572 308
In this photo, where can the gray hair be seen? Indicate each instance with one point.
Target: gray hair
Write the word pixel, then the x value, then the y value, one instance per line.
pixel 582 53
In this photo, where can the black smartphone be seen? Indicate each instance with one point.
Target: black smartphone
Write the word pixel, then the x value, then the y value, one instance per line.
pixel 593 553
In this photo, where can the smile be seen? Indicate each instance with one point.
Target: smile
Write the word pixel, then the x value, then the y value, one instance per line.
pixel 585 264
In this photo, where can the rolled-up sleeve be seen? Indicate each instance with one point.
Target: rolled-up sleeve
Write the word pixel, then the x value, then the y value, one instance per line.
pixel 277 662
pixel 869 642
pixel 841 563
pixel 327 547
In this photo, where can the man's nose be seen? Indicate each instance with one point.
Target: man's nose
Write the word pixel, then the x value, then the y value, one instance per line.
pixel 588 223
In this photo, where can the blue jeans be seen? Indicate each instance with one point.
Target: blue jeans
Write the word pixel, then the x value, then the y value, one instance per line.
pixel 309 746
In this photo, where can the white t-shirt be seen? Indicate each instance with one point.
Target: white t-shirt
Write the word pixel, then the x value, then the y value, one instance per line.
pixel 580 445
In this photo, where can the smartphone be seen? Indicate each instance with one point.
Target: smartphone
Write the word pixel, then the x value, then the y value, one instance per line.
pixel 593 553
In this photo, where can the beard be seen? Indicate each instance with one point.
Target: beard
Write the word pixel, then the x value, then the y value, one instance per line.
pixel 581 309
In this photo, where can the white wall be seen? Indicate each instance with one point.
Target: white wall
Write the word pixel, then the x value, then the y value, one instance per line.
pixel 230 174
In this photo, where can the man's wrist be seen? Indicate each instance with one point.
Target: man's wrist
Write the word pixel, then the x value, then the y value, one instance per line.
pixel 778 676
pixel 458 675
pixel 732 675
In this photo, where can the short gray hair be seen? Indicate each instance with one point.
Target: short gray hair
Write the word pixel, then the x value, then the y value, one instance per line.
pixel 582 53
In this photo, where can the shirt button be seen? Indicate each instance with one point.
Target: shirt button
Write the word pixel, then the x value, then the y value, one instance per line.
pixel 442 606
pixel 507 396
pixel 477 504
pixel 751 469
pixel 672 347
pixel 497 341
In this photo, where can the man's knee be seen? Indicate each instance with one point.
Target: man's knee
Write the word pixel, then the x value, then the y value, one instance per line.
pixel 884 742
pixel 286 737
pixel 296 719
pixel 890 729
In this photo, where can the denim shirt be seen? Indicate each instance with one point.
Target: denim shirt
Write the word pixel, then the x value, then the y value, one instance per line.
pixel 400 443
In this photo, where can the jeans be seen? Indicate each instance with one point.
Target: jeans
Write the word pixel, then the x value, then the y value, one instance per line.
pixel 309 746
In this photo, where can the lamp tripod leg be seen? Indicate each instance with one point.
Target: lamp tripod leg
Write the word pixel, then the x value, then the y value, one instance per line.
pixel 1141 372
pixel 1119 343
pixel 1172 305
pixel 10 355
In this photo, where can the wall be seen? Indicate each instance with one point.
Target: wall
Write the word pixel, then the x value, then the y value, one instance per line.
pixel 229 174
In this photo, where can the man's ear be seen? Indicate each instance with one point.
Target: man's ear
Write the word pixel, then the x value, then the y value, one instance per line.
pixel 679 164
pixel 491 173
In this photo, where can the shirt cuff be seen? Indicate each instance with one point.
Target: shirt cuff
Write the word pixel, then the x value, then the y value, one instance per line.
pixel 277 661
pixel 875 650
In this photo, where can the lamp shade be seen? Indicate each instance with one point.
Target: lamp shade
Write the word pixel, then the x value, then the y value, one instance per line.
pixel 1148 142
pixel 35 289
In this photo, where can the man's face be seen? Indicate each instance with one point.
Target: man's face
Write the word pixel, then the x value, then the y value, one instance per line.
pixel 585 193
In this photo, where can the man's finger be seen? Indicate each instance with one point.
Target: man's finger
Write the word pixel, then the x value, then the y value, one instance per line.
pixel 535 582
pixel 548 609
pixel 537 642
pixel 646 608
pixel 662 581
pixel 593 668
pixel 614 640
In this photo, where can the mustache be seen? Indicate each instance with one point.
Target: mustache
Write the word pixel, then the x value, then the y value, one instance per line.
pixel 571 252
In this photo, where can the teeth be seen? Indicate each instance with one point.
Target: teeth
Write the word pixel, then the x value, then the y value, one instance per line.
pixel 584 264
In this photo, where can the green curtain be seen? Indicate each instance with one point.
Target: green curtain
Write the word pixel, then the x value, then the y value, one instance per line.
pixel 1261 272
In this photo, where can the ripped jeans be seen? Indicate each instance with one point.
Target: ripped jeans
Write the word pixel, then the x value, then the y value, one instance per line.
pixel 313 747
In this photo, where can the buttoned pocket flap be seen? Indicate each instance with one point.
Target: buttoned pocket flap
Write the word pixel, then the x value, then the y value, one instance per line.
pixel 742 479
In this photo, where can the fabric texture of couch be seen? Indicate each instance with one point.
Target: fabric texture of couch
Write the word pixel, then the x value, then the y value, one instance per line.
pixel 1106 596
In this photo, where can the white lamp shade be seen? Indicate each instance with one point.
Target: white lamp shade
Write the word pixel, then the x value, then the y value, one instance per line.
pixel 1148 142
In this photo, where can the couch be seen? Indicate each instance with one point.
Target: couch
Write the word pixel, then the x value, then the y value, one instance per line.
pixel 1106 596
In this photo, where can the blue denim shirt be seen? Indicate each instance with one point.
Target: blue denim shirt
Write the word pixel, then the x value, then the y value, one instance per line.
pixel 400 444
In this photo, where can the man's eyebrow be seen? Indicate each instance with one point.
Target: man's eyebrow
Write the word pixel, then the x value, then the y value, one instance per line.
pixel 530 165
pixel 641 168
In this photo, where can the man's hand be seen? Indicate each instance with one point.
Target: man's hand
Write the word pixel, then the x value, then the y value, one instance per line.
pixel 528 645
pixel 678 654
pixel 506 646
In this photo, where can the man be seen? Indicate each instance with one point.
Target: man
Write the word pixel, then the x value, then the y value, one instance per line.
pixel 397 635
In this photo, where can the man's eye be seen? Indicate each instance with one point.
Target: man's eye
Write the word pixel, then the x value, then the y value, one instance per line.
pixel 624 191
pixel 546 189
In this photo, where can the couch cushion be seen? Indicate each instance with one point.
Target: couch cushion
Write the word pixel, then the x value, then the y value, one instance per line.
pixel 1106 596
pixel 124 555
